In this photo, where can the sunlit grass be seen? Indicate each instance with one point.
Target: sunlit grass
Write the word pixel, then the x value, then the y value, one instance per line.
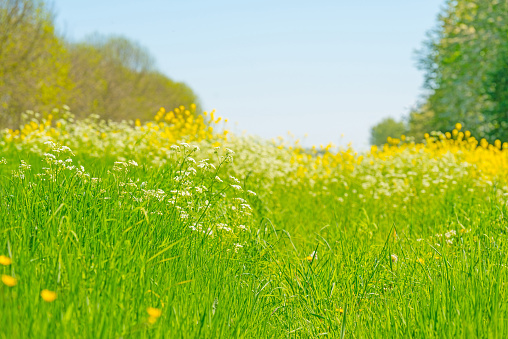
pixel 149 230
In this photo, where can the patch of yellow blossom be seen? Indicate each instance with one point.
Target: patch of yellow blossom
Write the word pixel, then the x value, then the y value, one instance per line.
pixel 9 281
pixel 6 261
pixel 153 140
pixel 490 161
pixel 154 314
pixel 48 296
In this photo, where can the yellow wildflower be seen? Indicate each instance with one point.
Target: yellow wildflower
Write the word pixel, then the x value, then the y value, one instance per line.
pixel 6 261
pixel 48 295
pixel 9 281
pixel 311 257
pixel 154 314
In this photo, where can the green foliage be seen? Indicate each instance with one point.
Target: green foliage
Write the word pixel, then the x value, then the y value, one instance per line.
pixel 110 76
pixel 497 90
pixel 34 63
pixel 388 127
pixel 465 68
pixel 419 123
pixel 117 79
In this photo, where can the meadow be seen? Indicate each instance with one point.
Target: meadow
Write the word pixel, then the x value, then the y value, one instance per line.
pixel 177 228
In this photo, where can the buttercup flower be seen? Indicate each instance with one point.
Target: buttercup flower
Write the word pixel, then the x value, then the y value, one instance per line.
pixel 5 260
pixel 48 296
pixel 154 314
pixel 9 281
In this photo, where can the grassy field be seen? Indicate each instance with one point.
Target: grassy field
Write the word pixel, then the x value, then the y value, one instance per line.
pixel 176 228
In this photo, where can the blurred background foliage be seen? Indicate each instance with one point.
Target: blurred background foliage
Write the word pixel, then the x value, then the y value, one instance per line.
pixel 110 76
pixel 465 62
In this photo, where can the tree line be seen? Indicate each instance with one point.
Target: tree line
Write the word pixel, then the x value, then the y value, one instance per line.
pixel 465 63
pixel 110 76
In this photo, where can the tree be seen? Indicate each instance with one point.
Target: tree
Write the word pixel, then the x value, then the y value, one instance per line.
pixel 110 76
pixel 117 79
pixel 34 63
pixel 464 70
pixel 388 127
pixel 419 123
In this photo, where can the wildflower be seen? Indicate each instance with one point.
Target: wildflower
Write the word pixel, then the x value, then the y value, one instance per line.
pixel 311 257
pixel 6 261
pixel 450 233
pixel 340 310
pixel 48 296
pixel 9 281
pixel 154 314
pixel 420 260
pixel 394 258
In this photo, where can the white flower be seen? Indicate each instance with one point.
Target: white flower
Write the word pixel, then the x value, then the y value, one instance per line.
pixel 312 256
pixel 450 233
pixel 394 258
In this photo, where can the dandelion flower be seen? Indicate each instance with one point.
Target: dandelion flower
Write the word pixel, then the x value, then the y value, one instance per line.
pixel 48 296
pixel 9 281
pixel 6 261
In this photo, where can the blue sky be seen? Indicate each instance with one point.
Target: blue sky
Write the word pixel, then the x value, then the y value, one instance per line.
pixel 322 68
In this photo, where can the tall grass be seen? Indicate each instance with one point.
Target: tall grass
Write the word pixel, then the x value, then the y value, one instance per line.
pixel 261 241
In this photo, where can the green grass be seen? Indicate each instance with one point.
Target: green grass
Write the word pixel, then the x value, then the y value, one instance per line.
pixel 111 250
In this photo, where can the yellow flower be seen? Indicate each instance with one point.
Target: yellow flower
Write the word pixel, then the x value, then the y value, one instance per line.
pixel 154 314
pixel 48 295
pixel 5 260
pixel 420 260
pixel 9 281
pixel 340 310
pixel 311 257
